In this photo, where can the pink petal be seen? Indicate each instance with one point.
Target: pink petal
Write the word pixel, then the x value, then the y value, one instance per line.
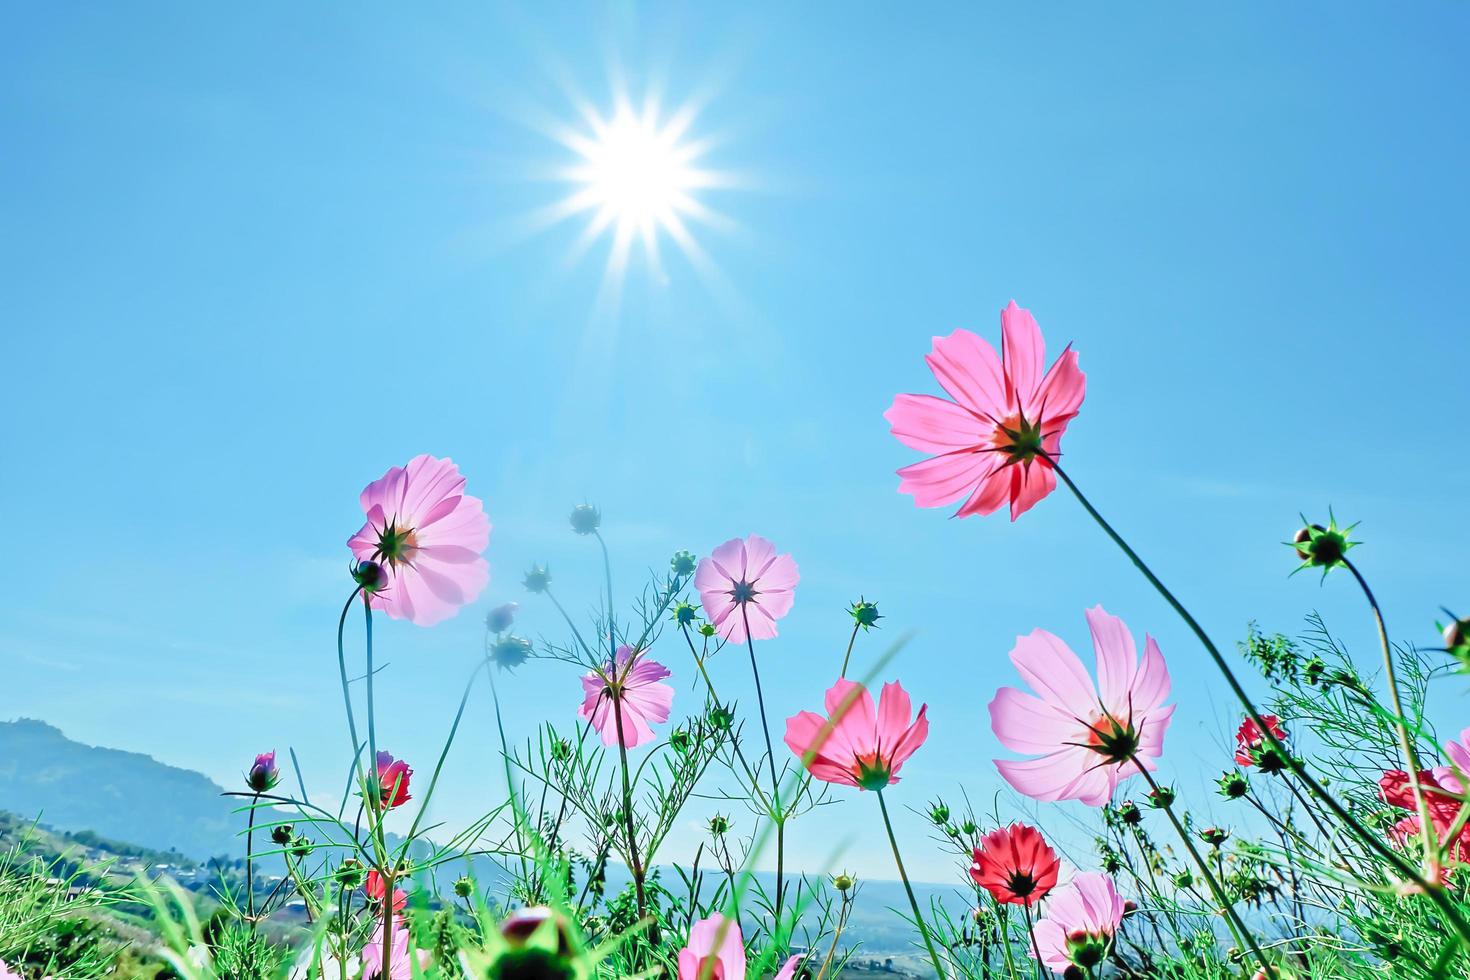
pixel 1060 393
pixel 933 425
pixel 1117 658
pixel 1024 723
pixel 992 493
pixel 1022 352
pixel 944 479
pixel 1055 673
pixel 968 369
pixel 1029 483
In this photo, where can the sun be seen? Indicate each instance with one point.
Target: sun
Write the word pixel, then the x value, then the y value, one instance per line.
pixel 637 178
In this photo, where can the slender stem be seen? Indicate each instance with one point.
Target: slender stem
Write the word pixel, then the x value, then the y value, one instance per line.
pixel 346 690
pixel 1002 916
pixel 734 742
pixel 367 611
pixel 387 966
pixel 848 656
pixel 250 862
pixel 637 867
pixel 1406 744
pixel 909 889
pixel 778 810
pixel 1400 865
pixel 1232 918
pixel 1035 947
pixel 510 788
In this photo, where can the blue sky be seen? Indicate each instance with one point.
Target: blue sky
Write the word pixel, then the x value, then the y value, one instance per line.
pixel 251 258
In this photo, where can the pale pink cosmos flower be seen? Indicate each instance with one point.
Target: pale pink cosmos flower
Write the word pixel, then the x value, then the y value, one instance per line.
pixel 399 967
pixel 632 680
pixel 1081 919
pixel 745 583
pixel 1008 415
pixel 857 746
pixel 1090 737
pixel 7 974
pixel 427 535
pixel 716 951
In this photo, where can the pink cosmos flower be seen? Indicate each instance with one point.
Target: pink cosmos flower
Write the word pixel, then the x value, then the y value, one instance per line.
pixel 393 779
pixel 633 681
pixel 264 775
pixel 856 746
pixel 990 439
pixel 7 974
pixel 716 951
pixel 399 967
pixel 1090 737
pixel 745 583
pixel 427 534
pixel 1081 919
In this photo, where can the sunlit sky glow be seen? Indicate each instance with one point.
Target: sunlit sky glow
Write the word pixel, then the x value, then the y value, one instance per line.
pixel 636 181
pixel 239 295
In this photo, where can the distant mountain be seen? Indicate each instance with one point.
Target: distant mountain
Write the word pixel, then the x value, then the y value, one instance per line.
pixel 125 795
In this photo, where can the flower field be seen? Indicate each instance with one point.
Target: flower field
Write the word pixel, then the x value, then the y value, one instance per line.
pixel 1345 857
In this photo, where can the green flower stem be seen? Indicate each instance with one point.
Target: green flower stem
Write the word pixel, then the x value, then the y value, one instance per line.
pixel 1035 946
pixel 1403 867
pixel 1002 916
pixel 387 966
pixel 1227 907
pixel 250 862
pixel 770 761
pixel 909 889
pixel 848 656
pixel 734 742
pixel 1406 744
pixel 346 691
pixel 637 867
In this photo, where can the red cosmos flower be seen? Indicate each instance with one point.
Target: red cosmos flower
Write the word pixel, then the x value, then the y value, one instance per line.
pixel 393 777
pixel 1249 739
pixel 373 889
pixel 1015 865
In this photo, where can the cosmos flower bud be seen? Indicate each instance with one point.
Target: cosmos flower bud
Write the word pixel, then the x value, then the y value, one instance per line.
pixel 1234 785
pixel 1184 879
pixel 463 887
pixel 1162 797
pixel 510 652
pixel 1323 547
pixel 1084 949
pixel 844 882
pixel 300 846
pixel 1129 813
pixel 369 575
pixel 1129 907
pixel 585 519
pixel 561 750
pixel 939 813
pixel 721 718
pixel 864 613
pixel 707 629
pixel 538 579
pixel 349 872
pixel 499 619
pixel 686 614
pixel 522 924
pixel 968 828
pixel 281 833
pixel 1214 836
pixel 264 775
pixel 1457 639
pixel 1313 670
pixel 718 825
pixel 680 740
pixel 683 563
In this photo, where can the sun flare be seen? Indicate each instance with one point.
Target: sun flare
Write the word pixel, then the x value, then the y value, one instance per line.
pixel 637 178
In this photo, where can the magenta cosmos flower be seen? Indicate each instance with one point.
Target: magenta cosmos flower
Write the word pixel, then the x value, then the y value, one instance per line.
pixel 1081 919
pixel 633 681
pixel 1090 737
pixel 1007 410
pixel 745 583
pixel 856 746
pixel 427 536
pixel 716 951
